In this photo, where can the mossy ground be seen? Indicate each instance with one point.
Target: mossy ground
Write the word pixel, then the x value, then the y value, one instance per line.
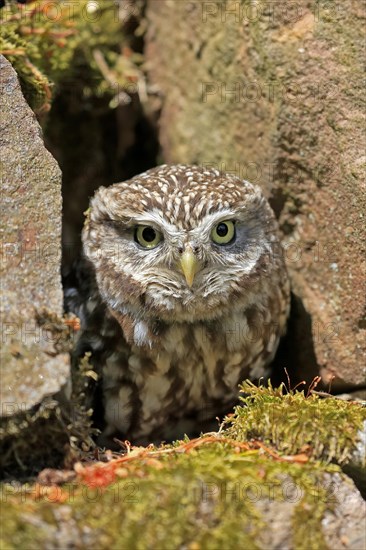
pixel 205 498
pixel 212 492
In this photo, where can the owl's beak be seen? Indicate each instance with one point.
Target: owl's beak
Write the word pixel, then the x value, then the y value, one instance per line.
pixel 189 264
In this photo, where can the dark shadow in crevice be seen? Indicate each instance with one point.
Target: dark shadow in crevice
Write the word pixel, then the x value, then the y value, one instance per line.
pixel 296 352
pixel 95 145
pixel 277 201
pixel 358 475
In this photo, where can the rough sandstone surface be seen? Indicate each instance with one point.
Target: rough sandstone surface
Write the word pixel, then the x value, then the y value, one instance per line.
pixel 31 368
pixel 274 93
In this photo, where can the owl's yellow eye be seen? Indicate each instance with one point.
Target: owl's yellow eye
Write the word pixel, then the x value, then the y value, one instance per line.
pixel 223 232
pixel 147 236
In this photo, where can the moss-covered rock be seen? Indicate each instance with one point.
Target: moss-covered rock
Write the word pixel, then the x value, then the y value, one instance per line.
pixel 327 428
pixel 239 488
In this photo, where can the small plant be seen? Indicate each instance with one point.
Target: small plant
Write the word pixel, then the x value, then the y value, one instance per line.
pixel 52 42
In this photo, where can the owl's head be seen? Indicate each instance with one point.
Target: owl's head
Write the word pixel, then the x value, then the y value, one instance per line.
pixel 180 243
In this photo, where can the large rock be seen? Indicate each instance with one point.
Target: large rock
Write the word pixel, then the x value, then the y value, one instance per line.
pixel 274 93
pixel 255 508
pixel 31 367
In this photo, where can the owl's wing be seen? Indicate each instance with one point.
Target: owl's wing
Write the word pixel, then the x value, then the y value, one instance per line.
pixel 81 297
pixel 78 283
pixel 98 332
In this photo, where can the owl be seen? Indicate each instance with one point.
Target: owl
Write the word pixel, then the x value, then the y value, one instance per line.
pixel 182 294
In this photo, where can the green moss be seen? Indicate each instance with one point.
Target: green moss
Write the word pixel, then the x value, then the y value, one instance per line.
pixel 220 491
pixel 206 498
pixel 49 42
pixel 302 525
pixel 328 428
pixel 18 534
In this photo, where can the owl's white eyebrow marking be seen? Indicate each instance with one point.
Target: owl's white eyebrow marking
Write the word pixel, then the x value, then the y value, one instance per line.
pixel 215 217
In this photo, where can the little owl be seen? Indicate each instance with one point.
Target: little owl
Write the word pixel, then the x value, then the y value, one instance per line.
pixel 182 294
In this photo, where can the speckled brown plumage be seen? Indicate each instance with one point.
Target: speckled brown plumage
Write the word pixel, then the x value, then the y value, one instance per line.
pixel 172 350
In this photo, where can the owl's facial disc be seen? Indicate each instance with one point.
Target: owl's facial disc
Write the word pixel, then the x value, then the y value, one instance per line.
pixel 180 242
pixel 189 249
